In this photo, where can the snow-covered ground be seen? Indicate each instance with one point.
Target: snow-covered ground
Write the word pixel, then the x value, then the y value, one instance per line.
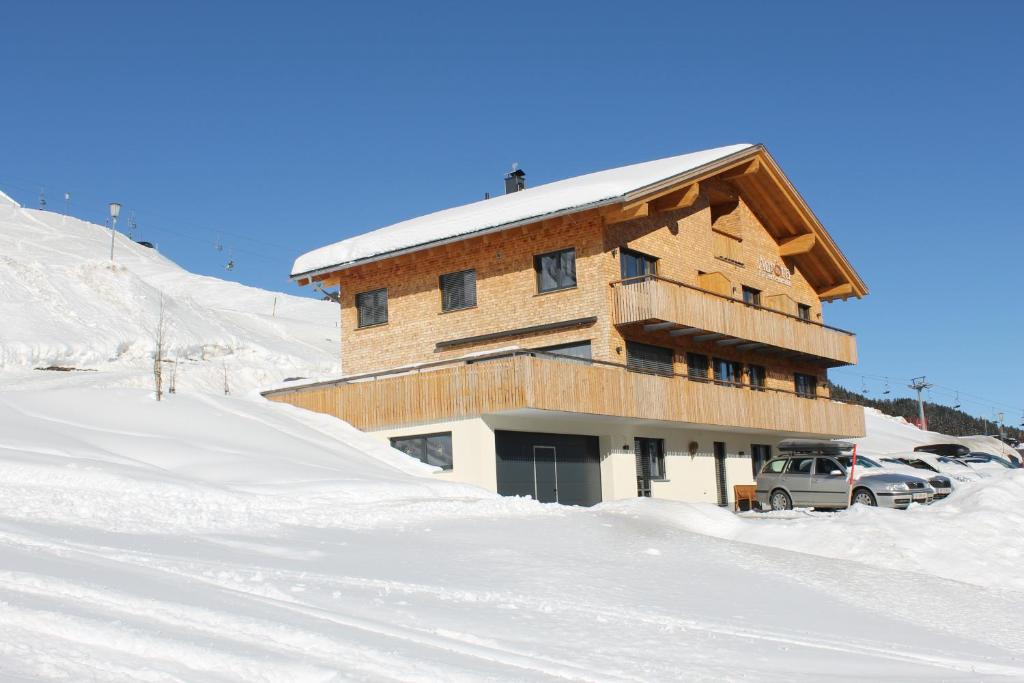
pixel 226 538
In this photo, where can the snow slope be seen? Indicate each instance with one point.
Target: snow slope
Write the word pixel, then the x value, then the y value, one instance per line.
pixel 263 543
pixel 64 304
pixel 888 434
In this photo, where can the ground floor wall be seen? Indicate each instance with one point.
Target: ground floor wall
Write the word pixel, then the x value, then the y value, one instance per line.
pixel 690 471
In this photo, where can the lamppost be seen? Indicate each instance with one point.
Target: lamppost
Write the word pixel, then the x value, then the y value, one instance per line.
pixel 115 211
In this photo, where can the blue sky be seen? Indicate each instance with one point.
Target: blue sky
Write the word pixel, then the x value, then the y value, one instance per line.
pixel 282 127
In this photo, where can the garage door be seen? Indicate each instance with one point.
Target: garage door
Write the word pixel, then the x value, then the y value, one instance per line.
pixel 552 468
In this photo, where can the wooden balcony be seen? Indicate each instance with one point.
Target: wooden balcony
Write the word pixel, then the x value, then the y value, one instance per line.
pixel 679 309
pixel 540 381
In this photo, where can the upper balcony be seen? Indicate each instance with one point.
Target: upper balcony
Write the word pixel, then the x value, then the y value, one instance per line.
pixel 679 309
pixel 537 381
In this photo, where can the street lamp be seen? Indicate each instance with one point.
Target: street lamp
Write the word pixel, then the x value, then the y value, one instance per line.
pixel 115 211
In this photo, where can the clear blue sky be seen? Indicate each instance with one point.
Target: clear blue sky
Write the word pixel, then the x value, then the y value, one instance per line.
pixel 282 127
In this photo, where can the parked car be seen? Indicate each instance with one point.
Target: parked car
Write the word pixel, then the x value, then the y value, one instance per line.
pixel 868 466
pixel 807 473
pixel 958 471
pixel 987 461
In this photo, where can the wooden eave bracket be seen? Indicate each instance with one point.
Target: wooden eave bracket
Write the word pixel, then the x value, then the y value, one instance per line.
pixel 801 244
pixel 837 291
pixel 748 168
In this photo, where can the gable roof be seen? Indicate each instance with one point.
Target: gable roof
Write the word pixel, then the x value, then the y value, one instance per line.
pixel 563 196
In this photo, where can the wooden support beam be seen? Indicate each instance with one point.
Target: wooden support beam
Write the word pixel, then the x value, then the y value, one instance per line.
pixel 836 291
pixel 729 342
pixel 655 327
pixel 708 337
pixel 685 332
pixel 720 192
pixel 749 347
pixel 680 199
pixel 801 244
pixel 618 214
pixel 745 169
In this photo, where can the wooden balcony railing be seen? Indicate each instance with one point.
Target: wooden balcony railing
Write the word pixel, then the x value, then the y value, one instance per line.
pixel 521 380
pixel 694 311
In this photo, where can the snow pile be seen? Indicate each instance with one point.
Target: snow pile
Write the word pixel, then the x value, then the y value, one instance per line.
pixel 64 304
pixel 971 537
pixel 232 539
pixel 888 434
pixel 582 191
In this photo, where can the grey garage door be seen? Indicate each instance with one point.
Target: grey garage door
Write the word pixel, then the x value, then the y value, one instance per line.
pixel 553 468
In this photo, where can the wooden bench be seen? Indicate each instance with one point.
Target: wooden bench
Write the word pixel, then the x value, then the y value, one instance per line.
pixel 747 492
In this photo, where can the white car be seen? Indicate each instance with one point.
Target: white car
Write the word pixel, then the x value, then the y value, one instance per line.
pixel 867 466
pixel 958 471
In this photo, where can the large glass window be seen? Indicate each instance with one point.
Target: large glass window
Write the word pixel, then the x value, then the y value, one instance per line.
pixel 433 449
pixel 756 376
pixel 458 290
pixel 634 264
pixel 372 307
pixel 805 385
pixel 648 358
pixel 728 372
pixel 697 366
pixel 556 270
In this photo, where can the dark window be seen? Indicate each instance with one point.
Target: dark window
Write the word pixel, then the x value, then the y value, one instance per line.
pixel 826 466
pixel 800 466
pixel 776 466
pixel 576 351
pixel 760 454
pixel 804 311
pixel 372 307
pixel 751 296
pixel 458 290
pixel 756 374
pixel 697 366
pixel 648 358
pixel 650 462
pixel 635 264
pixel 433 449
pixel 728 372
pixel 556 270
pixel 805 385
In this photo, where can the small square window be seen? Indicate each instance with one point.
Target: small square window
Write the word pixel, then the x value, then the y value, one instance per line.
pixel 372 307
pixel 555 270
pixel 756 377
pixel 751 296
pixel 805 385
pixel 458 290
pixel 803 311
pixel 697 366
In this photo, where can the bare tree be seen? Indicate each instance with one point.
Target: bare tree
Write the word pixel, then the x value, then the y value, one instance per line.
pixel 160 335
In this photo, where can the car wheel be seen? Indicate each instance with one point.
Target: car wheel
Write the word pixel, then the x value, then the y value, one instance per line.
pixel 780 500
pixel 863 497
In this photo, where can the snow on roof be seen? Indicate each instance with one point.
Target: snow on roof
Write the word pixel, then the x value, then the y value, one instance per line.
pixel 531 203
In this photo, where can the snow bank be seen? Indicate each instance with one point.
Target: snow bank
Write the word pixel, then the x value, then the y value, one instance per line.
pixel 888 434
pixel 533 202
pixel 64 304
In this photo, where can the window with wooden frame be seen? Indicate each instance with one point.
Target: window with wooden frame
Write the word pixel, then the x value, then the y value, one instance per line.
pixel 756 377
pixel 635 264
pixel 458 290
pixel 751 296
pixel 805 385
pixel 803 311
pixel 372 307
pixel 555 270
pixel 728 372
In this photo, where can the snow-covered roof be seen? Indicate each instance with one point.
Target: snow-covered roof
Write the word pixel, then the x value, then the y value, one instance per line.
pixel 571 194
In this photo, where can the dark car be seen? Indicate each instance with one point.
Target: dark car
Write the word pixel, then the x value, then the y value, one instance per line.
pixel 950 450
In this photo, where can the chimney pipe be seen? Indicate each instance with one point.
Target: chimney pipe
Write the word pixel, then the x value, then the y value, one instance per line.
pixel 515 180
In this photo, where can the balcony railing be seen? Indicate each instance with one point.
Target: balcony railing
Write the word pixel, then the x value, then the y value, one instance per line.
pixel 680 309
pixel 535 380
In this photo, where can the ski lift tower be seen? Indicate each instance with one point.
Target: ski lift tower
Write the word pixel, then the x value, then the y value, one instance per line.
pixel 919 384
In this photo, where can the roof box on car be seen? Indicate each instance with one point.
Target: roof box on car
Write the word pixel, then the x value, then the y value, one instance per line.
pixel 950 450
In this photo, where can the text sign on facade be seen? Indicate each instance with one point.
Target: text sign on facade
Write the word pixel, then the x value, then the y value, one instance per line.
pixel 775 271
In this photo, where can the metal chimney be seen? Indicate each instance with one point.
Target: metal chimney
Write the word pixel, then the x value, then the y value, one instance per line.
pixel 515 180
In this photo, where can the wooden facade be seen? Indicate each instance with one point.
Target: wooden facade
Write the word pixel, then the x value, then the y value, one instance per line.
pixel 514 382
pixel 715 235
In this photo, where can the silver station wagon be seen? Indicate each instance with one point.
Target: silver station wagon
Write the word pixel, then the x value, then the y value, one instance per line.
pixel 810 473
